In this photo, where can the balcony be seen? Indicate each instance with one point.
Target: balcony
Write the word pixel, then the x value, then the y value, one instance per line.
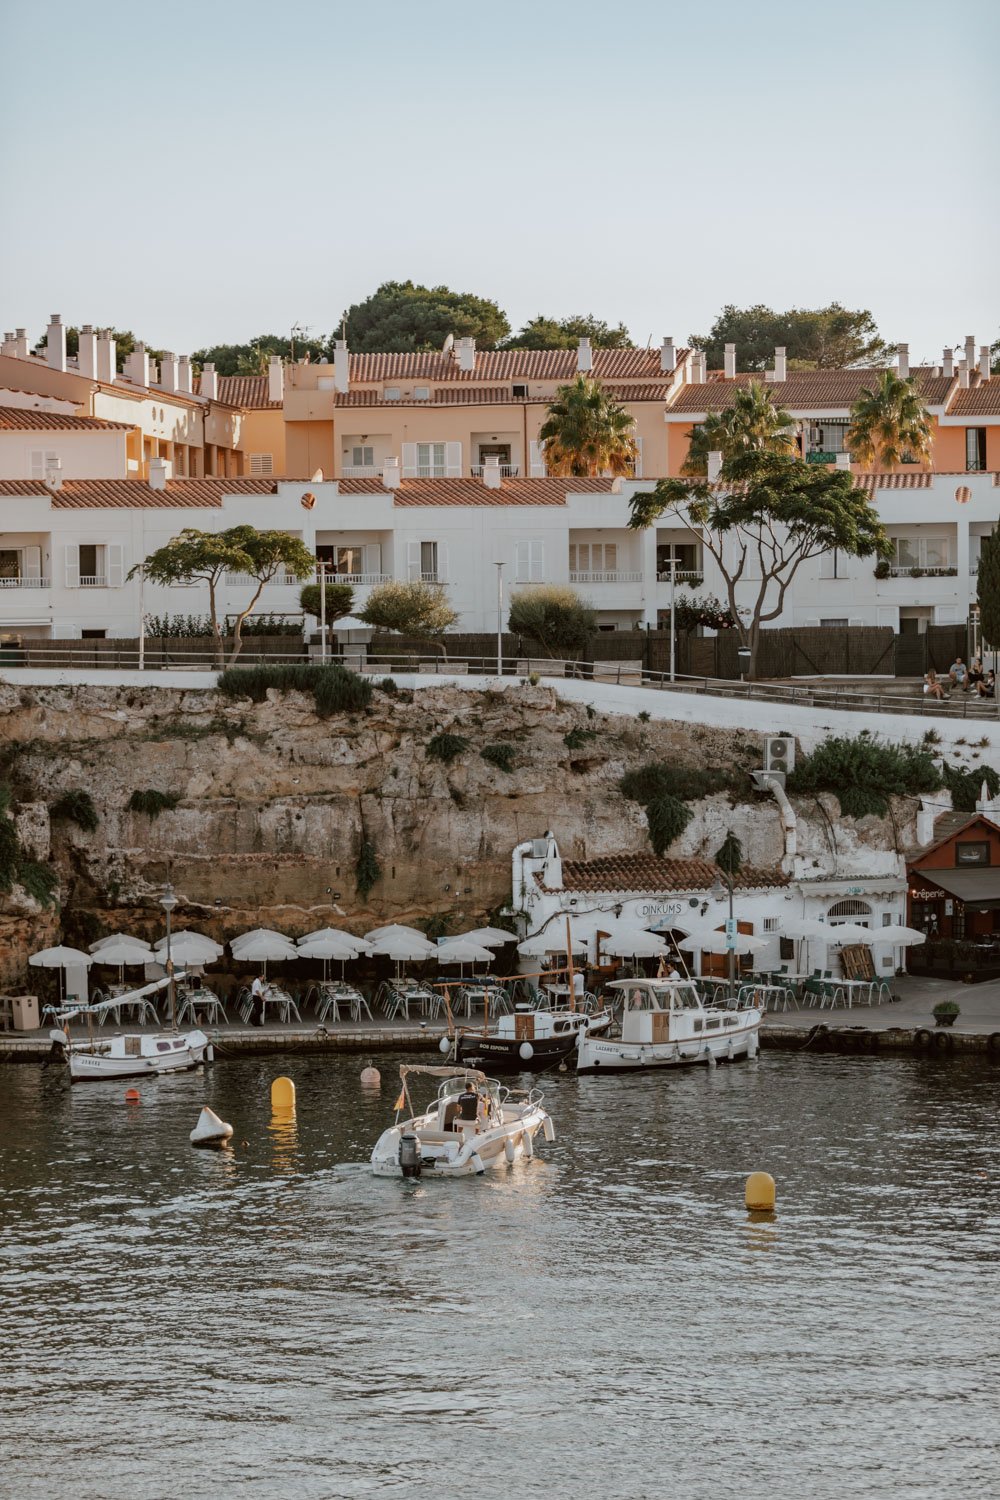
pixel 356 580
pixel 600 579
pixel 361 471
pixel 26 583
pixel 281 580
pixel 93 581
pixel 692 577
pixel 507 471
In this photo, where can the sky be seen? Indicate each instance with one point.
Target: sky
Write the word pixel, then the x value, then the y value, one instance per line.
pixel 204 172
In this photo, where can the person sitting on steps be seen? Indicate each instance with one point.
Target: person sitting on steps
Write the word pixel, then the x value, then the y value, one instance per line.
pixel 932 688
pixel 959 673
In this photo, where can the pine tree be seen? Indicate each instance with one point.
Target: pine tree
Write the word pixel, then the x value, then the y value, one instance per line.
pixel 988 592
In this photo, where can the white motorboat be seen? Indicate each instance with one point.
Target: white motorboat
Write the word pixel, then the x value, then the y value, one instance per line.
pixel 128 1054
pixel 474 1123
pixel 665 1024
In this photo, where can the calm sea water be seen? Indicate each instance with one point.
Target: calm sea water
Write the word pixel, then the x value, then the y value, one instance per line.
pixel 602 1321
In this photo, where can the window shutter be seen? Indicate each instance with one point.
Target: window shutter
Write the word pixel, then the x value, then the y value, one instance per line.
pixel 409 462
pixel 572 557
pixel 32 562
pixel 537 562
pixel 521 562
pixel 453 460
pixel 72 555
pixel 638 458
pixel 261 463
pixel 373 559
pixel 442 570
pixel 889 615
pixel 115 567
pixel 611 557
pixel 412 557
pixel 536 461
pixel 856 622
pixel 37 464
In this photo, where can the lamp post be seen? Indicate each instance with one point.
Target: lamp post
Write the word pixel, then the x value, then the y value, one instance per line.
pixel 168 901
pixel 673 589
pixel 718 894
pixel 499 567
pixel 321 565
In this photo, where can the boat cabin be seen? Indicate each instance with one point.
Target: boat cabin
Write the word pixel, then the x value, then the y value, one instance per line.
pixel 667 1010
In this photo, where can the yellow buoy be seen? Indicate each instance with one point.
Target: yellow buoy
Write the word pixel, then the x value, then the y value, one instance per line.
pixel 282 1094
pixel 760 1193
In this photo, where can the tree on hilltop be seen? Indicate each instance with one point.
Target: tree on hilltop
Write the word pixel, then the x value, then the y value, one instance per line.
pixel 401 316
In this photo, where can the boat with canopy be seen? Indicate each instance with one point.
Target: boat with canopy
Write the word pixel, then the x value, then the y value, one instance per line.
pixel 134 1054
pixel 473 1123
pixel 665 1024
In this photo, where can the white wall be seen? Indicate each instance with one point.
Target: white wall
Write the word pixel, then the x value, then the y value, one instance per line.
pixel 93 454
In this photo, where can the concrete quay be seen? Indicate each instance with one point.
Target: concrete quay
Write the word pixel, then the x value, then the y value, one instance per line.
pixel 904 1025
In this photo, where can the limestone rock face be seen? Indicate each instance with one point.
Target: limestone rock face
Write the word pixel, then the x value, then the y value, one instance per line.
pixel 33 832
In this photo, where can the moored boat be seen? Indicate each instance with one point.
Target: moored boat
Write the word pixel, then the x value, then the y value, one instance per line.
pixel 665 1024
pixel 530 1040
pixel 128 1054
pixel 473 1124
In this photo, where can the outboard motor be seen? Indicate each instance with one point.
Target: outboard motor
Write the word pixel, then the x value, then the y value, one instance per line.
pixel 409 1154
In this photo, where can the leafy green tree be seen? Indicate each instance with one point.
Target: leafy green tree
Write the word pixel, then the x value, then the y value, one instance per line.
pixel 890 424
pixel 565 333
pixel 753 424
pixel 823 338
pixel 586 433
pixel 779 512
pixel 252 358
pixel 206 557
pixel 988 591
pixel 416 608
pixel 555 618
pixel 339 600
pixel 401 316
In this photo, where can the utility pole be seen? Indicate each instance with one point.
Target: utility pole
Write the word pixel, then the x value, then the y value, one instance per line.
pixel 499 567
pixel 321 564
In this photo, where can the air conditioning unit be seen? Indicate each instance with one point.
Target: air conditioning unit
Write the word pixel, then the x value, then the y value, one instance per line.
pixel 779 753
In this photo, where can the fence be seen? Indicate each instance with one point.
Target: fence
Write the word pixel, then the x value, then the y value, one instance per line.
pixel 160 651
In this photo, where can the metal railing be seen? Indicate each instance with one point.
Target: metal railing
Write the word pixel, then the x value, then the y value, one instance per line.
pixel 281 580
pixel 692 576
pixel 93 581
pixel 507 471
pixel 25 583
pixel 360 580
pixel 361 471
pixel 914 570
pixel 605 577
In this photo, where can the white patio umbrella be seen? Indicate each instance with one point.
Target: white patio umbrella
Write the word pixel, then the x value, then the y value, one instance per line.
pixel 850 933
pixel 805 927
pixel 899 937
pixel 634 944
pixel 330 947
pixel 394 930
pixel 119 937
pixel 707 940
pixel 189 948
pixel 402 947
pixel 335 935
pixel 122 952
pixel 553 940
pixel 60 958
pixel 265 948
pixel 490 937
pixel 236 943
pixel 460 951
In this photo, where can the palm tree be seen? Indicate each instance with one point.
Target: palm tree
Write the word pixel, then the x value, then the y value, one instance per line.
pixel 890 425
pixel 586 433
pixel 753 424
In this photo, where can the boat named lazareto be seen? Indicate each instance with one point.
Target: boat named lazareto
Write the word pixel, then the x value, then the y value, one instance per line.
pixel 665 1024
pixel 474 1123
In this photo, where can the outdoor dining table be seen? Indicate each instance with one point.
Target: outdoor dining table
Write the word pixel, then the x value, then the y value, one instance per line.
pixel 273 996
pixel 332 994
pixel 205 1001
pixel 767 996
pixel 398 998
pixel 139 1011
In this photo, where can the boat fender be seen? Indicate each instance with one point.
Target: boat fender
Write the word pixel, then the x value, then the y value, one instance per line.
pixel 922 1037
pixel 527 1144
pixel 210 1053
pixel 943 1042
pixel 477 1163
pixel 509 1149
pixel 709 1056
pixel 548 1129
pixel 444 1046
pixel 993 1042
pixel 753 1044
pixel 526 1051
pixel 409 1154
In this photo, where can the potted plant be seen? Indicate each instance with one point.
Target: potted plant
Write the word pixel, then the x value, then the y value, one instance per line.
pixel 944 1013
pixel 882 569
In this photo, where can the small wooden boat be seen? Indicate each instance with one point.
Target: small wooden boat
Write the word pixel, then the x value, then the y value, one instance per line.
pixel 665 1024
pixel 128 1054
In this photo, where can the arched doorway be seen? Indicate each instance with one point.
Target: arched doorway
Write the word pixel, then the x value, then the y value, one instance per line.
pixel 850 910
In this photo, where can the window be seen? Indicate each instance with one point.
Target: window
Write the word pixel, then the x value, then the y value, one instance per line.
pixel 832 565
pixel 593 557
pixel 683 556
pixel 770 924
pixel 421 393
pixel 41 461
pixel 10 563
pixel 972 853
pixel 363 456
pixel 429 561
pixel 431 460
pixel 529 562
pixel 93 635
pixel 975 449
pixel 837 624
pixel 520 392
pixel 391 393
pixel 927 552
pixel 260 463
pixel 848 910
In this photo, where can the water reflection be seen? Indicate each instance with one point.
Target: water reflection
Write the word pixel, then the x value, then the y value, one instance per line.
pixel 284 1133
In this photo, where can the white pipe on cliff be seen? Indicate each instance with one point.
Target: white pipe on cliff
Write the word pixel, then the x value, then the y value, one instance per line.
pixel 517 875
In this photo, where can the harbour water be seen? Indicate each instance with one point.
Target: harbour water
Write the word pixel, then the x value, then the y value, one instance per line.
pixel 603 1321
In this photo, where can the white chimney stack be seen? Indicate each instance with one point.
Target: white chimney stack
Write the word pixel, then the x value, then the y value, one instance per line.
pixel 698 367
pixel 780 363
pixel 53 474
pixel 184 382
pixel 158 473
pixel 584 357
pixel 903 361
pixel 963 374
pixel 984 361
pixel 209 383
pixel 275 379
pixel 491 473
pixel 390 473
pixel 9 346
pixel 87 357
pixel 668 356
pixel 21 344
pixel 341 366
pixel 948 365
pixel 730 362
pixel 842 460
pixel 55 348
pixel 467 355
pixel 168 371
pixel 107 367
pixel 970 350
pixel 137 365
pixel 714 465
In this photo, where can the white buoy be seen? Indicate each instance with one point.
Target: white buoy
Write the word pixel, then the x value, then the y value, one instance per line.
pixel 371 1075
pixel 526 1051
pixel 509 1150
pixel 444 1045
pixel 210 1130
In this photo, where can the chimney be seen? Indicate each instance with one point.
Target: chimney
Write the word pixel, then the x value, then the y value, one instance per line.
pixel 55 349
pixel 984 361
pixel 584 357
pixel 467 355
pixel 158 473
pixel 780 363
pixel 948 366
pixel 970 350
pixel 390 473
pixel 209 383
pixel 9 347
pixel 87 357
pixel 168 371
pixel 491 473
pixel 843 460
pixel 184 374
pixel 137 365
pixel 275 379
pixel 903 361
pixel 341 366
pixel 668 356
pixel 714 465
pixel 963 374
pixel 21 344
pixel 730 361
pixel 698 370
pixel 106 358
pixel 53 474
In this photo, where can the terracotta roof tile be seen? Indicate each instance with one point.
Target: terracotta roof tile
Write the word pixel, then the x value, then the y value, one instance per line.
pixel 251 392
pixel 511 491
pixel 123 494
pixel 918 479
pixel 27 418
pixel 508 364
pixel 808 390
pixel 361 487
pixel 22 487
pixel 645 872
pixel 982 400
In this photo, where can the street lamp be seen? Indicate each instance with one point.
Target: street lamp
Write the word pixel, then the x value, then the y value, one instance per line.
pixel 499 567
pixel 168 901
pixel 321 565
pixel 724 882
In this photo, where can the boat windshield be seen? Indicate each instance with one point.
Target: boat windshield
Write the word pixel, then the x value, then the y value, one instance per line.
pixel 652 994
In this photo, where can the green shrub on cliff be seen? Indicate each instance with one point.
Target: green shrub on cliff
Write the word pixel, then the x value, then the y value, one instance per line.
pixel 10 850
pixel 667 818
pixel 500 755
pixel 864 772
pixel 333 687
pixel 77 806
pixel 367 871
pixel 446 747
pixel 38 881
pixel 686 783
pixel 152 802
pixel 965 786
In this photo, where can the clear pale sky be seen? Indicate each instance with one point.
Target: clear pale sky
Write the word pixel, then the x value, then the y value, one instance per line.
pixel 202 172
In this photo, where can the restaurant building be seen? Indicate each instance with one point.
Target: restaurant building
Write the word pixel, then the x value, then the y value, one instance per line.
pixel 954 894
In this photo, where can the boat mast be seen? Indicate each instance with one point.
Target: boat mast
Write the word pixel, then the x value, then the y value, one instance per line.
pixel 569 967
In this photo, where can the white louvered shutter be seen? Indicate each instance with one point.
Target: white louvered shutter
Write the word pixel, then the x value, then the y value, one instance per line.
pixel 373 559
pixel 412 560
pixel 857 622
pixel 409 460
pixel 72 556
pixel 536 562
pixel 115 565
pixel 536 461
pixel 888 615
pixel 453 460
pixel 521 561
pixel 442 551
pixel 32 562
pixel 638 458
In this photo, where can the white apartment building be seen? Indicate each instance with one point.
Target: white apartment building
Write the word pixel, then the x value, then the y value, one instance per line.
pixel 66 547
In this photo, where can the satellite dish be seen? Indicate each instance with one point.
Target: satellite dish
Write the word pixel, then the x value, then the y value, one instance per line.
pixel 317 478
pixel 448 344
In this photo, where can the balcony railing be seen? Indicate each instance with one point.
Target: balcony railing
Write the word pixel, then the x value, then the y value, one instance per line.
pixel 604 577
pixel 507 471
pixel 691 576
pixel 361 471
pixel 25 583
pixel 93 581
pixel 281 580
pixel 359 580
pixel 914 570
